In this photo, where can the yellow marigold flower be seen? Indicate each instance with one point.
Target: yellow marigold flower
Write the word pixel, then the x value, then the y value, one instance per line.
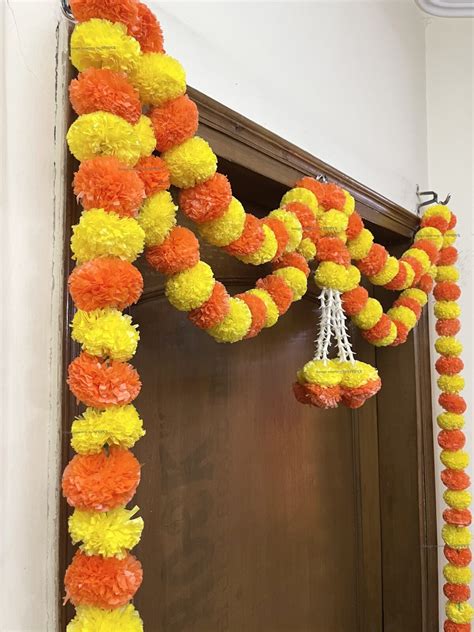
pixel 272 309
pixel 267 250
pixel 433 234
pixel 457 574
pixel 438 210
pixel 331 275
pixel 352 279
pixel 88 618
pixel 295 279
pixel 460 613
pixel 369 315
pixel 355 374
pixel 418 295
pixel 101 234
pixel 235 325
pixel 104 134
pixel 454 459
pixel 449 238
pixel 117 425
pixel 450 421
pixel 342 237
pixel 333 222
pixel 457 499
pixel 447 309
pixel 103 44
pixel 299 194
pixel 190 163
pixel 359 246
pixel 158 78
pixel 105 332
pixel 146 136
pixel 226 228
pixel 322 373
pixel 447 273
pixel 293 228
pixel 157 217
pixel 387 273
pixel 448 346
pixel 404 315
pixel 349 204
pixel 110 534
pixel 450 383
pixel 410 274
pixel 419 255
pixel 191 288
pixel 307 249
pixel 456 537
pixel 387 341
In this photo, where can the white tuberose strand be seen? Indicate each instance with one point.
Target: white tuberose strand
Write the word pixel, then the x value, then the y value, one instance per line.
pixel 332 322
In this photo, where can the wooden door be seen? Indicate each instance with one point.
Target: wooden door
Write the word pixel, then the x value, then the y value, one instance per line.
pixel 262 514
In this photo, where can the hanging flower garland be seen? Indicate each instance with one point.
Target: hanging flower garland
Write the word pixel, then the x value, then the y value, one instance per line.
pixel 123 188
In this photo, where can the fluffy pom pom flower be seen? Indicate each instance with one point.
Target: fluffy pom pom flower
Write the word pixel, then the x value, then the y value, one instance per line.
pixel 227 228
pixel 158 217
pixel 354 227
pixel 271 313
pixel 106 183
pixel 380 330
pixel 331 275
pixel 429 248
pixel 305 216
pixel 448 327
pixel 153 173
pixel 450 421
pixel 235 324
pixel 104 134
pixel 458 499
pixel 146 136
pixel 117 425
pixel 457 517
pixel 401 279
pixel 451 439
pixel 295 279
pixel 105 332
pixel 258 311
pixel 293 260
pixel 110 534
pixel 356 374
pixel 458 557
pixel 174 122
pixel 447 291
pixel 374 262
pixel 447 309
pixel 101 44
pixel 100 482
pixel 101 383
pixel 459 612
pixel 208 200
pixel 457 593
pixel 369 315
pixel 279 290
pixel 102 89
pixel 456 537
pixel 303 195
pixel 105 282
pixel 449 626
pixel 356 397
pixel 448 256
pixel 214 310
pixel 457 574
pixel 387 273
pixel 410 303
pixel 190 163
pixel 324 373
pixel 280 233
pixel 451 383
pixel 448 346
pixel 403 315
pixel 124 11
pixel 447 273
pixel 449 366
pixel 333 249
pixel 158 78
pixel 402 333
pixel 307 248
pixel 102 582
pixel 191 288
pixel 88 618
pixel 292 225
pixel 267 250
pixel 354 300
pixel 250 240
pixel 454 459
pixel 333 222
pixel 359 247
pixel 452 402
pixel 316 395
pixel 179 251
pixel 147 30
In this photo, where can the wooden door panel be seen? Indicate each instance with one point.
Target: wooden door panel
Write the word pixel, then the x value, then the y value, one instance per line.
pixel 248 497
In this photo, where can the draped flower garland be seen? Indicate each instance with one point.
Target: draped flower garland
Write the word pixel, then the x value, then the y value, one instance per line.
pixel 131 102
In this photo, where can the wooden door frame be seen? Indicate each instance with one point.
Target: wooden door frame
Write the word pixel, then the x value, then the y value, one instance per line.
pixel 241 141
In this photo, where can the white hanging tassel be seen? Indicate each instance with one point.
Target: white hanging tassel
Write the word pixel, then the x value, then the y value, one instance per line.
pixel 332 322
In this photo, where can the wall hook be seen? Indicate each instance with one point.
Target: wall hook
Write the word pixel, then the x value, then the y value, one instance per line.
pixel 322 178
pixel 66 9
pixel 433 199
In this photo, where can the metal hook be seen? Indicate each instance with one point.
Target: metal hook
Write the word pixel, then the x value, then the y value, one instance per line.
pixel 322 178
pixel 432 200
pixel 66 9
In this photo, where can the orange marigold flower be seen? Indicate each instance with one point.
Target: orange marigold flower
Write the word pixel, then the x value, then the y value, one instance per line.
pixel 319 396
pixel 447 291
pixel 374 261
pixel 208 200
pixel 450 626
pixel 101 383
pixel 147 30
pixel 448 326
pixel 251 238
pixel 101 482
pixel 103 582
pixel 378 331
pixel 333 197
pixel 417 267
pixel 104 182
pixel 457 517
pixel 305 216
pixel 214 310
pixel 105 282
pixel 435 222
pixel 448 256
pixel 356 397
pixel 402 333
pixel 449 365
pixel 354 300
pixel 457 593
pixel 451 439
pixel 428 246
pixel 354 226
pixel 398 281
pixel 455 479
pixel 125 11
pixel 458 557
pixel 154 174
pixel 452 402
pixel 103 89
pixel 411 303
pixel 280 231
pixel 280 292
pixel 293 259
pixel 258 311
pixel 174 122
pixel 425 283
pixel 312 185
pixel 178 252
pixel 453 221
pixel 333 249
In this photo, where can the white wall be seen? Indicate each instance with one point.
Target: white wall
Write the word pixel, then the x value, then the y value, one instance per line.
pixel 344 80
pixel 450 98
